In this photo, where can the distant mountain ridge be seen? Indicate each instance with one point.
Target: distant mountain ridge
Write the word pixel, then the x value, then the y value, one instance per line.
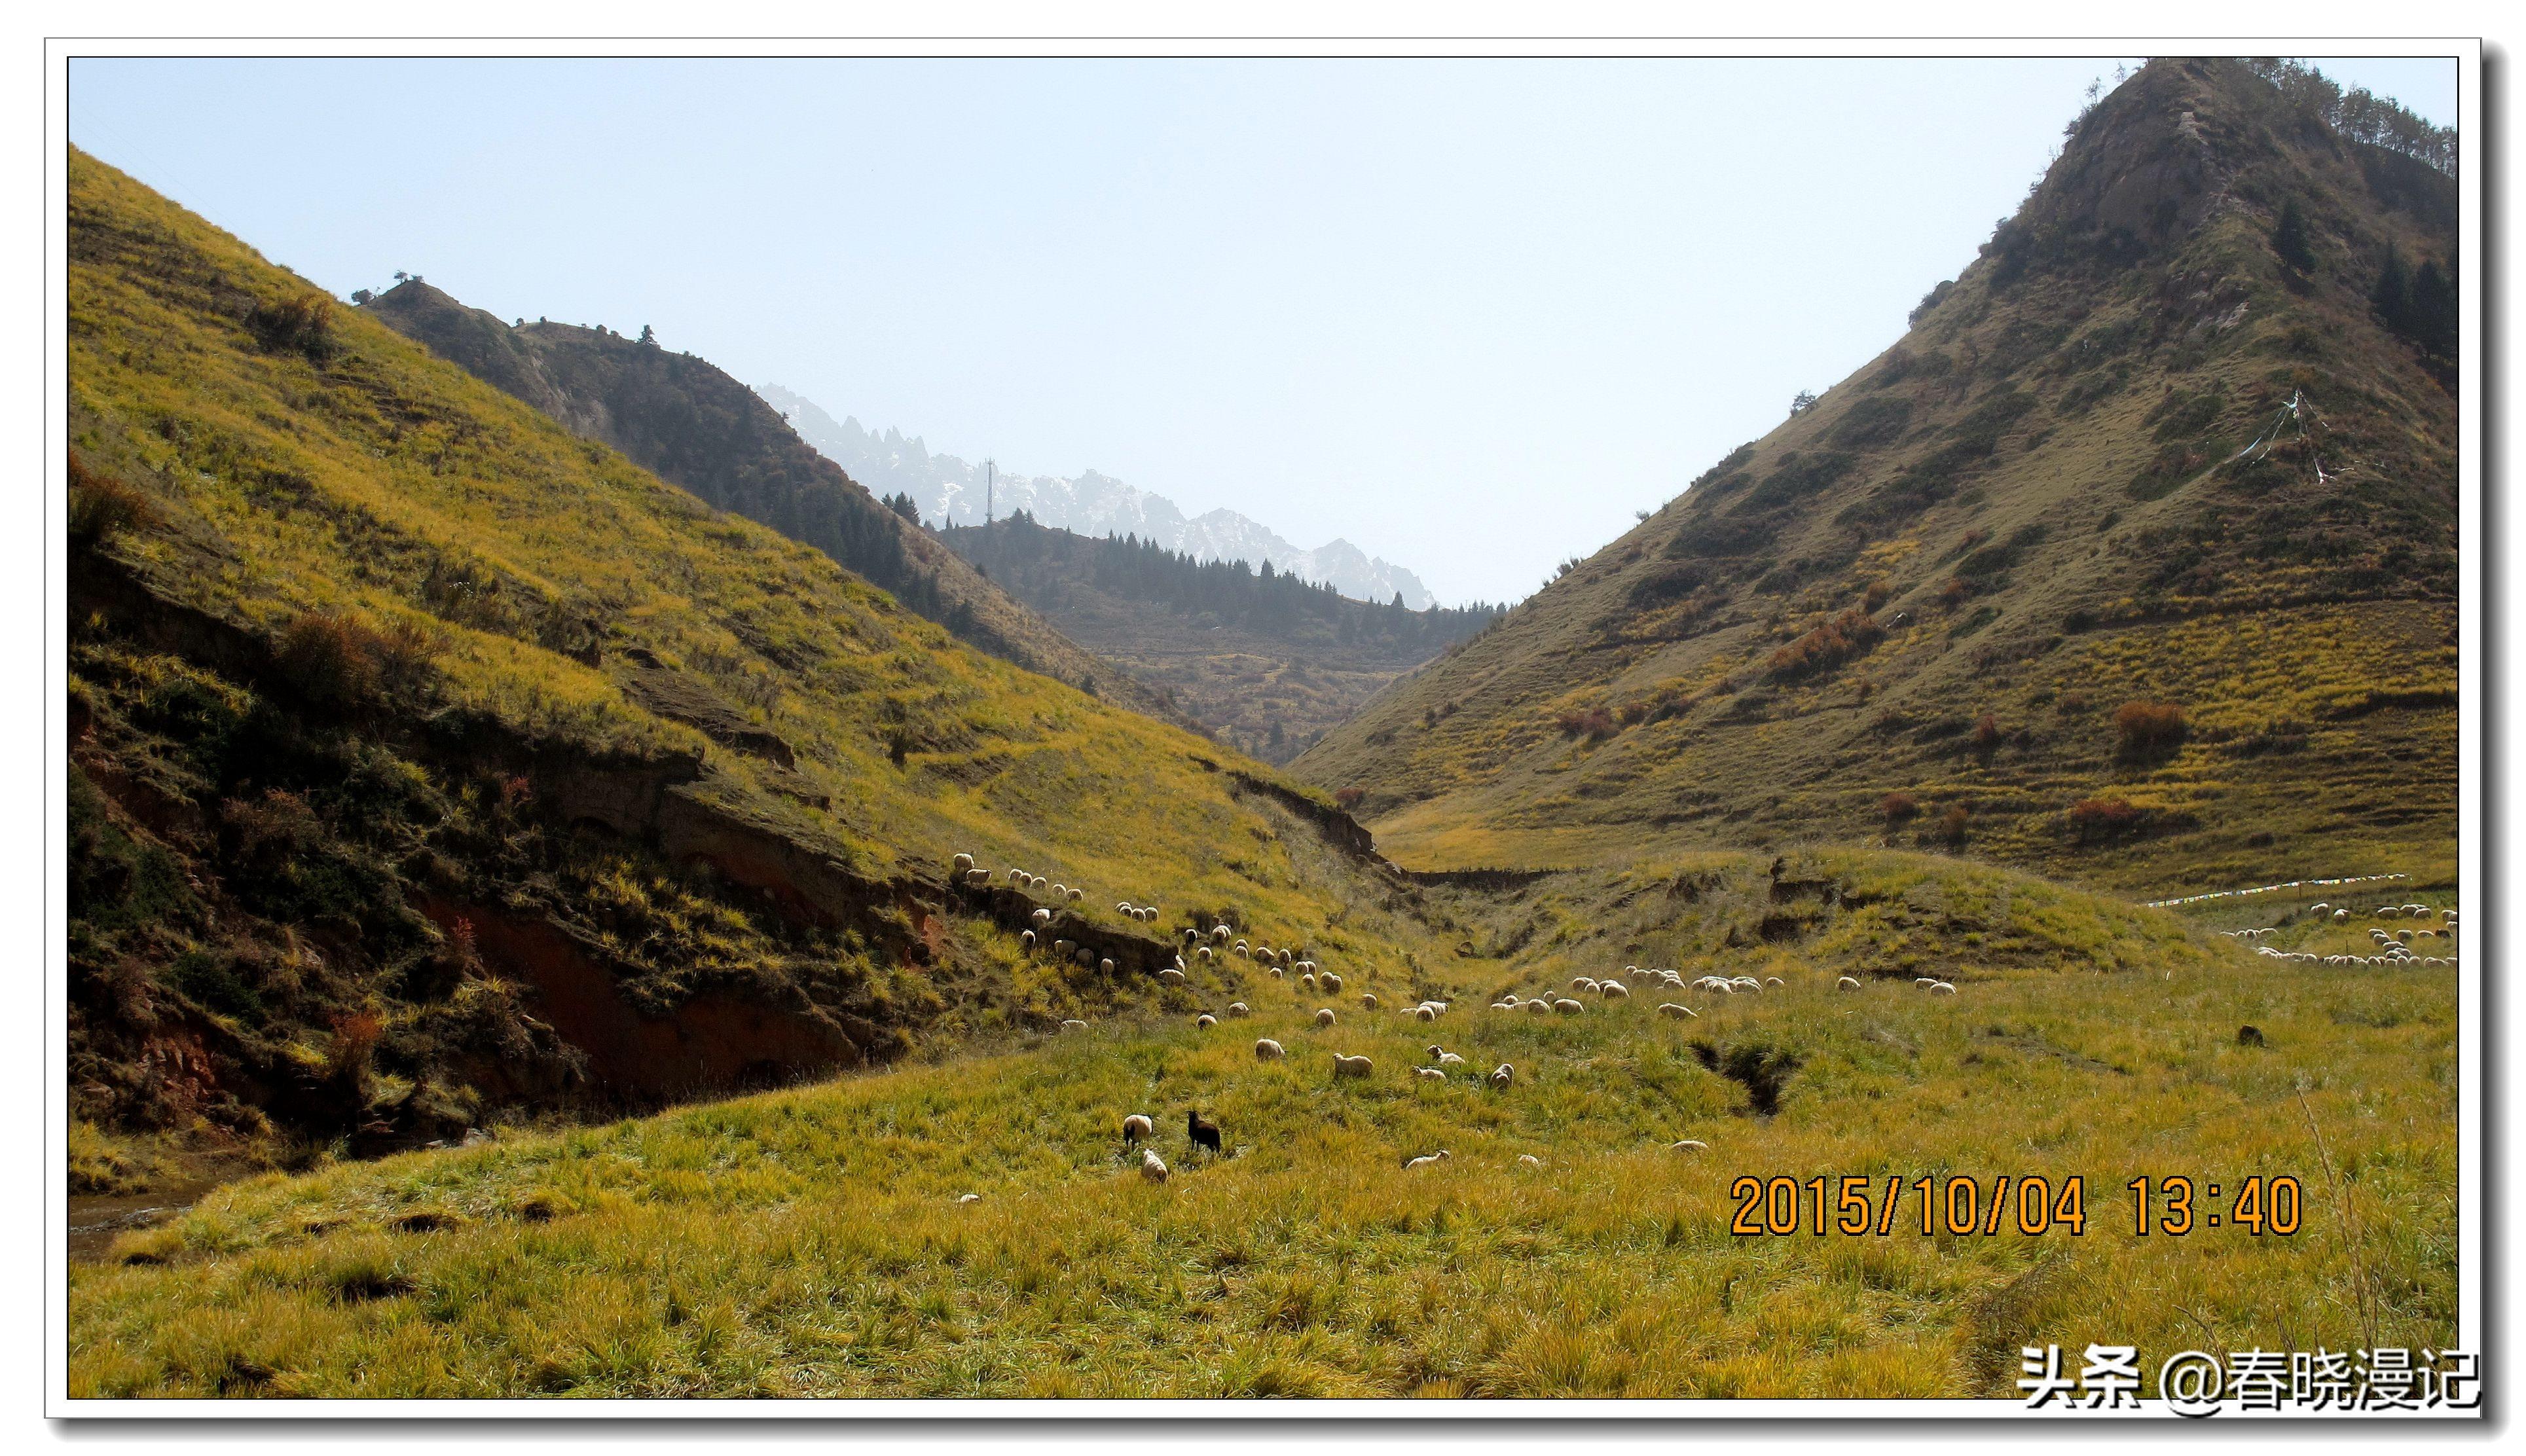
pixel 950 492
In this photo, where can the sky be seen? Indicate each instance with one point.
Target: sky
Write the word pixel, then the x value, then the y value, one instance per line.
pixel 1469 315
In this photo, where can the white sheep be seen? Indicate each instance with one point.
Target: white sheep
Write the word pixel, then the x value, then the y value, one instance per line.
pixel 1267 1050
pixel 1675 1013
pixel 1351 1066
pixel 1219 935
pixel 1501 1075
pixel 1846 983
pixel 1152 1166
pixel 1440 1007
pixel 1105 964
pixel 1136 1127
pixel 1943 988
pixel 1170 976
pixel 1925 980
pixel 970 1199
pixel 1429 1073
pixel 1423 1014
pixel 1205 1021
pixel 1581 983
pixel 1329 980
pixel 1773 981
pixel 1368 1000
pixel 1060 892
pixel 1077 894
pixel 1025 941
pixel 1279 974
pixel 1426 1159
pixel 1204 951
pixel 1530 1160
pixel 1041 917
pixel 1445 1058
pixel 963 863
pixel 1689 1146
pixel 1568 1007
pixel 1539 1006
pixel 1239 1008
pixel 1324 1015
pixel 1242 951
pixel 1073 1024
pixel 1614 990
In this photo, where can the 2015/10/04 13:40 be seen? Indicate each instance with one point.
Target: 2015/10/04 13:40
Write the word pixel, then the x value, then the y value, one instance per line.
pixel 1960 1206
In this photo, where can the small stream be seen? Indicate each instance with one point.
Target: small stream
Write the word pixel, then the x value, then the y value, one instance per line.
pixel 97 1220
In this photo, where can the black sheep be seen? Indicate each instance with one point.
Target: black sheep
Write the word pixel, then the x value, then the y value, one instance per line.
pixel 1203 1130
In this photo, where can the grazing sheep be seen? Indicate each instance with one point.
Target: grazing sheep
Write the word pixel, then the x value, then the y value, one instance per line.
pixel 1429 1073
pixel 1359 1066
pixel 1085 956
pixel 1568 1007
pixel 1105 964
pixel 1025 941
pixel 1675 1013
pixel 1073 1024
pixel 1426 1159
pixel 970 1199
pixel 1219 935
pixel 1581 983
pixel 2341 915
pixel 1152 1166
pixel 1530 1160
pixel 1308 980
pixel 1241 950
pixel 1773 981
pixel 1329 980
pixel 1440 1007
pixel 1941 989
pixel 1279 974
pixel 1423 1014
pixel 1204 951
pixel 1172 976
pixel 1237 1008
pixel 1689 1146
pixel 1368 1000
pixel 1445 1058
pixel 1263 953
pixel 1136 1127
pixel 963 863
pixel 1079 894
pixel 1060 892
pixel 1205 1021
pixel 1268 1050
pixel 1124 907
pixel 1746 982
pixel 1203 1130
pixel 1846 983
pixel 1324 1015
pixel 1539 1006
pixel 1501 1075
pixel 1925 980
pixel 1041 917
pixel 1614 990
pixel 1063 948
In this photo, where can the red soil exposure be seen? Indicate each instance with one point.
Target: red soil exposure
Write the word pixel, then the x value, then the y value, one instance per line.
pixel 714 1041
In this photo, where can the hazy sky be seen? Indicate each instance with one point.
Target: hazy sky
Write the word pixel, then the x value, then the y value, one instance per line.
pixel 1469 315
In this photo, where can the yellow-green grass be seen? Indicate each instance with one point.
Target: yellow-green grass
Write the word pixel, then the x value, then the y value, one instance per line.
pixel 811 1241
pixel 290 487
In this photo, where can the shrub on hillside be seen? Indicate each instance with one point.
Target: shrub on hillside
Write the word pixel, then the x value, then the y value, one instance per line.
pixel 1350 798
pixel 1825 648
pixel 1899 809
pixel 2148 730
pixel 1986 736
pixel 102 507
pixel 343 662
pixel 302 325
pixel 2103 820
pixel 1592 723
pixel 1951 827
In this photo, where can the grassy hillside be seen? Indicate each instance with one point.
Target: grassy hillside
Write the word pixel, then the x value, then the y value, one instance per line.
pixel 1267 663
pixel 1916 611
pixel 696 427
pixel 429 761
pixel 815 1241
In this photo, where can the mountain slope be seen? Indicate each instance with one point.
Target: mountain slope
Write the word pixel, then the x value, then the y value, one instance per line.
pixel 1920 608
pixel 1263 661
pixel 429 760
pixel 695 425
pixel 950 492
